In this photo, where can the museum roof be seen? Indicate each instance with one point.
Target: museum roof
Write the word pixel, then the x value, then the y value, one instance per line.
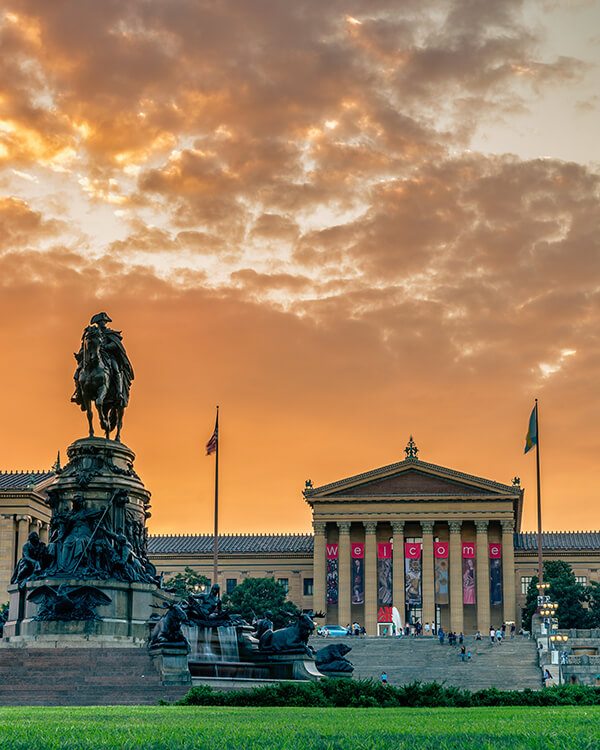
pixel 232 544
pixel 412 463
pixel 23 480
pixel 567 540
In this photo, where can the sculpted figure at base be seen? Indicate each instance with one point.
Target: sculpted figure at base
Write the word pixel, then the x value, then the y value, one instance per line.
pixel 263 625
pixel 332 658
pixel 33 560
pixel 167 631
pixel 291 639
pixel 68 602
pixel 103 376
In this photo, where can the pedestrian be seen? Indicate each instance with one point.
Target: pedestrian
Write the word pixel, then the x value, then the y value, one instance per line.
pixel 513 627
pixel 407 629
pixel 426 628
pixel 384 678
pixel 363 630
pixel 547 676
pixel 478 636
pixel 461 638
pixel 499 636
pixel 349 629
pixel 504 630
pixel 492 634
pixel 441 636
pixel 463 653
pixel 468 656
pixel 393 629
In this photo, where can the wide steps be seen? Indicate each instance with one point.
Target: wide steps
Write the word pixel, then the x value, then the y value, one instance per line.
pixel 81 677
pixel 509 666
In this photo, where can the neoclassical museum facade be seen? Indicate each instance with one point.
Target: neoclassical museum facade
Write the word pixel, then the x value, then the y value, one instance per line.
pixel 438 544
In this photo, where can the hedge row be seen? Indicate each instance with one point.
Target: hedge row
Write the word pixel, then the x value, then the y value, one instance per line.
pixel 367 693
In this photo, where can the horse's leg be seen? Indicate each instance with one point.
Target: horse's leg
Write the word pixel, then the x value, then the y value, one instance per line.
pixel 119 412
pixel 90 417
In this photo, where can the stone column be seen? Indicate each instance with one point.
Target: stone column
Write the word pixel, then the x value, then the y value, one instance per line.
pixel 428 580
pixel 319 575
pixel 35 525
pixel 344 612
pixel 44 532
pixel 508 571
pixel 371 582
pixel 22 533
pixel 456 587
pixel 398 592
pixel 483 577
pixel 7 550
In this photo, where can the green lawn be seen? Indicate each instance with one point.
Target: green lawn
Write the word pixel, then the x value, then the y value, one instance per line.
pixel 572 728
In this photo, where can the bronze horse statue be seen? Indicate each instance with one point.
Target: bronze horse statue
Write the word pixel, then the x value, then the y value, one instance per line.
pixel 103 376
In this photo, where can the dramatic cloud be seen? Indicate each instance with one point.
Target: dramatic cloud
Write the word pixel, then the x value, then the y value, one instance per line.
pixel 282 206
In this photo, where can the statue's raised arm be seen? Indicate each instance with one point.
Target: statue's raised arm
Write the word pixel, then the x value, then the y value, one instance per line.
pixel 103 375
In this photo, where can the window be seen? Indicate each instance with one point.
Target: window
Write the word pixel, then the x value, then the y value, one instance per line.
pixel 525 581
pixel 308 587
pixel 230 584
pixel 285 583
pixel 581 579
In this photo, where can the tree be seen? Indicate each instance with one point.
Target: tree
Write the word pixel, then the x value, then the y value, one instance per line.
pixel 185 583
pixel 593 597
pixel 565 591
pixel 253 596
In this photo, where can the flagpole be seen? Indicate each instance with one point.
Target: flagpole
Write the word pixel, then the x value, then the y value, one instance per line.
pixel 539 495
pixel 216 539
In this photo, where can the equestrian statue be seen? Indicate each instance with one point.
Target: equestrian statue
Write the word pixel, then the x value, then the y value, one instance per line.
pixel 103 375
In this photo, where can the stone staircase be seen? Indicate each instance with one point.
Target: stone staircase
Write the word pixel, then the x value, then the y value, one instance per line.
pixel 510 666
pixel 81 677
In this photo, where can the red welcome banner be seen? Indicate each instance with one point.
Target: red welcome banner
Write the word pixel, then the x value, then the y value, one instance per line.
pixel 440 549
pixel 412 550
pixel 384 551
pixel 332 551
pixel 358 550
pixel 495 550
pixel 384 614
pixel 468 549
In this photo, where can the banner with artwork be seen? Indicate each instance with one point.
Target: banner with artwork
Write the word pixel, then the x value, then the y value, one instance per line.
pixel 468 555
pixel 440 572
pixel 384 557
pixel 412 569
pixel 358 573
pixel 332 573
pixel 495 573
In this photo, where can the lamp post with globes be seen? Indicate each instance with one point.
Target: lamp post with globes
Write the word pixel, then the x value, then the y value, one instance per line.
pixel 557 638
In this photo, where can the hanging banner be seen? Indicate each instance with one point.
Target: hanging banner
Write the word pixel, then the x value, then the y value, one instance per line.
pixel 358 573
pixel 384 614
pixel 495 573
pixel 440 554
pixel 412 570
pixel 384 556
pixel 332 573
pixel 468 554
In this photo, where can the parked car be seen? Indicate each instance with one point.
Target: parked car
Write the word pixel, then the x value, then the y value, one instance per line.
pixel 336 630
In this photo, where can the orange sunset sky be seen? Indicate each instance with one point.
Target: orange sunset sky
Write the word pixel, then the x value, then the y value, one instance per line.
pixel 344 222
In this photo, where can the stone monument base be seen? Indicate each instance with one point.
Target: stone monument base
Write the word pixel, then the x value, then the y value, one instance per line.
pixel 124 619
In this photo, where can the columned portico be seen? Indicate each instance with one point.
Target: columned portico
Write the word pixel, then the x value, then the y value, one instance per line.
pixel 344 573
pixel 456 584
pixel 398 591
pixel 416 502
pixel 371 587
pixel 428 578
pixel 483 577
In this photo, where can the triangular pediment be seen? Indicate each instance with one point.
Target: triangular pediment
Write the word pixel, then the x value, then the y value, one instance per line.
pixel 411 478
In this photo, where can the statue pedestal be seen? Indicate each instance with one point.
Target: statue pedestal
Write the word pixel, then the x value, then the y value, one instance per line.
pixel 171 663
pixel 126 616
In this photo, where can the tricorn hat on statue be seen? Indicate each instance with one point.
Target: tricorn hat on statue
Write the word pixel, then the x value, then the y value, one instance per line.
pixel 101 317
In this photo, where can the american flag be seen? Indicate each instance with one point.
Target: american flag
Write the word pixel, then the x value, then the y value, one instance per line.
pixel 211 446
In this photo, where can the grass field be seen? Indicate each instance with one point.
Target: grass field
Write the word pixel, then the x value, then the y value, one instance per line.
pixel 172 727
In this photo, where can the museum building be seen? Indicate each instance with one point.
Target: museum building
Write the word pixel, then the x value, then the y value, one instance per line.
pixel 440 545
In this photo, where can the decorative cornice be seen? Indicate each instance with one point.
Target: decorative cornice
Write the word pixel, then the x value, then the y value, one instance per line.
pixel 344 527
pixel 427 527
pixel 319 527
pixel 481 526
pixel 455 526
pixel 370 527
pixel 397 527
pixel 508 527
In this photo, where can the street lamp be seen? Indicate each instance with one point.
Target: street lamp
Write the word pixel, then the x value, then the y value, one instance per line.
pixel 559 639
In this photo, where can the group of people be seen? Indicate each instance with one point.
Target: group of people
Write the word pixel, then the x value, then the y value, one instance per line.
pixel 497 635
pixel 356 629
